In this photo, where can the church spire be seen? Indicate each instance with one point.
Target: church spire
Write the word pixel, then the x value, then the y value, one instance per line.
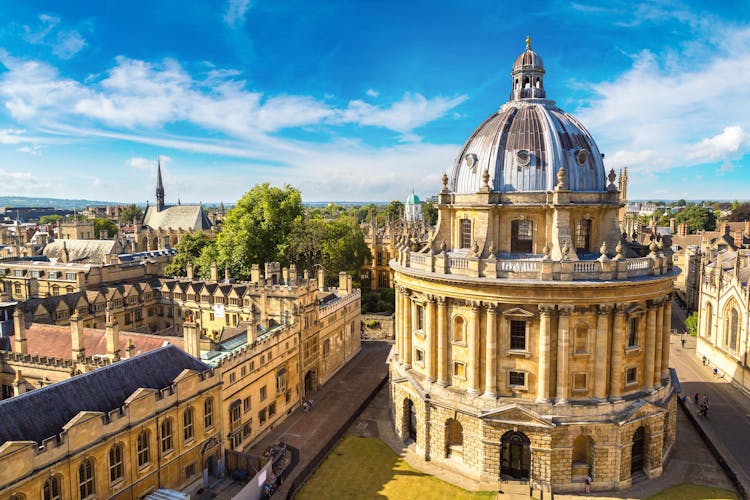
pixel 159 188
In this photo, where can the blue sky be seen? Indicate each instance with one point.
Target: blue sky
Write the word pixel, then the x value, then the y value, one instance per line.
pixel 357 100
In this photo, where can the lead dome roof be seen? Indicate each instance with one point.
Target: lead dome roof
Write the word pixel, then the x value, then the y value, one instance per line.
pixel 527 141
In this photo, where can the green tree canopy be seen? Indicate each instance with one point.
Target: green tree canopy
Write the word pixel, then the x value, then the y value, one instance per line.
pixel 740 213
pixel 50 219
pixel 130 213
pixel 697 218
pixel 430 212
pixel 394 210
pixel 691 324
pixel 107 225
pixel 189 249
pixel 337 245
pixel 257 229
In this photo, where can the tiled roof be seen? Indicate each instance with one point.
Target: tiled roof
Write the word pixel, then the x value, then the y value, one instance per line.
pixel 177 217
pixel 83 250
pixel 101 390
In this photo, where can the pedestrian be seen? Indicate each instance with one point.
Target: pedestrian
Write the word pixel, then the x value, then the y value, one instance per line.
pixel 716 372
pixel 310 403
pixel 696 398
pixel 705 399
pixel 705 361
pixel 305 407
pixel 682 341
pixel 588 484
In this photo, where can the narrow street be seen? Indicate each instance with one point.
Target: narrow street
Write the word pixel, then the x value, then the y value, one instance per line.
pixel 729 409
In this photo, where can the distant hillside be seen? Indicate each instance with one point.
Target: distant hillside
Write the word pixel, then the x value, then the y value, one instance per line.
pixel 25 201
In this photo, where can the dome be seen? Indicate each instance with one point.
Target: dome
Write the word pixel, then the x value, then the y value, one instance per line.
pixel 526 142
pixel 413 199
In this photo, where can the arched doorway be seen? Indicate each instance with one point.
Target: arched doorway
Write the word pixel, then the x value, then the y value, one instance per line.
pixel 636 451
pixel 410 417
pixel 515 455
pixel 310 381
pixel 454 438
pixel 582 457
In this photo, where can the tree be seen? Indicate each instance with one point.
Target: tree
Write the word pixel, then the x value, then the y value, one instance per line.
pixel 105 225
pixel 130 213
pixel 740 214
pixel 697 218
pixel 337 245
pixel 189 249
pixel 691 324
pixel 681 203
pixel 430 212
pixel 49 219
pixel 257 229
pixel 394 210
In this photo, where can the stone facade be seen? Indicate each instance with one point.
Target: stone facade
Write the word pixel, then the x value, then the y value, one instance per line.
pixel 532 337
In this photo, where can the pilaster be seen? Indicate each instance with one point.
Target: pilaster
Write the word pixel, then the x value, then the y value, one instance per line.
pixel 490 362
pixel 430 340
pixel 615 374
pixel 603 333
pixel 442 342
pixel 563 348
pixel 650 346
pixel 474 350
pixel 666 334
pixel 543 368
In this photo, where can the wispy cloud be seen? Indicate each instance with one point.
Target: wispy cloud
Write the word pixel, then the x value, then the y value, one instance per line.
pixel 236 12
pixel 64 42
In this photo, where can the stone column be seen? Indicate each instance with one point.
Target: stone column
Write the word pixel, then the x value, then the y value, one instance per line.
pixel 563 343
pixel 600 360
pixel 474 350
pixel 665 338
pixel 430 339
pixel 542 374
pixel 490 356
pixel 618 330
pixel 399 323
pixel 656 383
pixel 442 342
pixel 650 346
pixel 408 329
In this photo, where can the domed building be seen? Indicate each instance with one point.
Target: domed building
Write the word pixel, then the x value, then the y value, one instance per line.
pixel 413 209
pixel 532 339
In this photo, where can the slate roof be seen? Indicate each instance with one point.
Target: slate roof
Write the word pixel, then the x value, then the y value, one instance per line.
pixel 42 413
pixel 83 250
pixel 180 216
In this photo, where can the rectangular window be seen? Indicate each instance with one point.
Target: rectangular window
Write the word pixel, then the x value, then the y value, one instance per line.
pixel 516 379
pixel 420 317
pixel 263 393
pixel 70 276
pixel 272 409
pixel 580 381
pixel 631 376
pixel 189 471
pixel 583 235
pixel 465 233
pixel 326 347
pixel 518 335
pixel 232 377
pixel 633 332
pixel 459 370
pixel 262 416
pixel 419 356
pixel 246 404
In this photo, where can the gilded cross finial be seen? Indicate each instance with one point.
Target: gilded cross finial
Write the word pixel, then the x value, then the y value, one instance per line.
pixel 528 42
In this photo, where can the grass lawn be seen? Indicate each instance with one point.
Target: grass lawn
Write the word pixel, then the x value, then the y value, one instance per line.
pixel 368 468
pixel 693 492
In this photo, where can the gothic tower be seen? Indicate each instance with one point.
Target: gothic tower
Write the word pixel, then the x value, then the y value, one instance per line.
pixel 159 188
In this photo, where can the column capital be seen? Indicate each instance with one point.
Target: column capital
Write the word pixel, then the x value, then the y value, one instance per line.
pixel 652 304
pixel 565 310
pixel 442 301
pixel 546 309
pixel 621 309
pixel 492 308
pixel 605 309
pixel 475 306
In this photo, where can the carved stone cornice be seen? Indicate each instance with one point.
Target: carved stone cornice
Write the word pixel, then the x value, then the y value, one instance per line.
pixel 565 310
pixel 621 309
pixel 546 309
pixel 605 309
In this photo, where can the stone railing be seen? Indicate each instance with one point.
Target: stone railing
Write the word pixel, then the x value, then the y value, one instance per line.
pixel 540 269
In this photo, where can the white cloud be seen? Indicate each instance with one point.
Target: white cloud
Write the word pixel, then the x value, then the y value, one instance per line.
pixel 64 44
pixel 34 150
pixel 141 163
pixel 12 136
pixel 235 13
pixel 15 182
pixel 722 146
pixel 372 93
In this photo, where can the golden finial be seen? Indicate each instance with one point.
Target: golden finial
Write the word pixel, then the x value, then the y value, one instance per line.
pixel 528 42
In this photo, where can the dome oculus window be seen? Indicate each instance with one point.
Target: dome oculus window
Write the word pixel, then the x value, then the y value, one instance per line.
pixel 581 157
pixel 471 161
pixel 523 156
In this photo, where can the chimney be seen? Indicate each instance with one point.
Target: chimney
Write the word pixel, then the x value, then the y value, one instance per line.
pixel 306 275
pixel 349 286
pixel 19 326
pixel 226 273
pixel 19 384
pixel 189 270
pixel 673 225
pixel 747 228
pixel 76 337
pixel 726 228
pixel 321 279
pixel 191 337
pixel 342 283
pixel 112 333
pixel 129 349
pixel 252 333
pixel 255 273
pixel 292 274
pixel 682 229
pixel 214 272
pixel 285 275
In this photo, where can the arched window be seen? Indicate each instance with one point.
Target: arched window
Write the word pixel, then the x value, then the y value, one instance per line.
pixel 465 233
pixel 521 236
pixel 709 312
pixel 166 436
pixel 86 479
pixel 142 447
pixel 235 413
pixel 454 438
pixel 115 463
pixel 52 489
pixel 187 424
pixel 208 412
pixel 458 329
pixel 734 327
pixel 583 235
pixel 582 446
pixel 526 82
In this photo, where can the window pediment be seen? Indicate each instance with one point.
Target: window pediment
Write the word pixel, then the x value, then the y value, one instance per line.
pixel 518 312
